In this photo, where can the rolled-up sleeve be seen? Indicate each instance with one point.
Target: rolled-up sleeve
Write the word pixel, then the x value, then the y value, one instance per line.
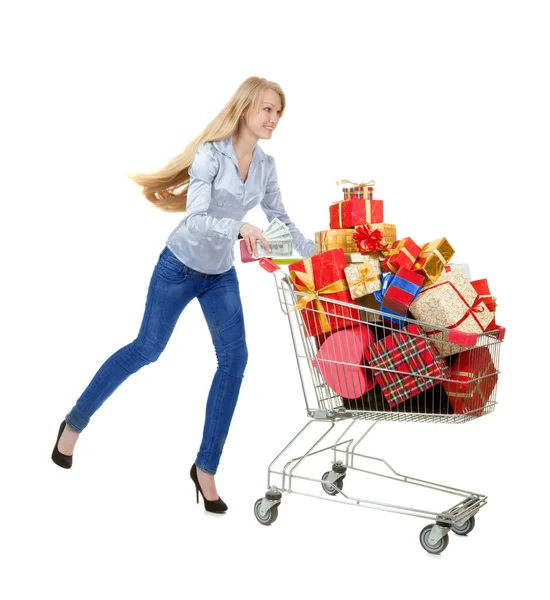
pixel 202 172
pixel 272 206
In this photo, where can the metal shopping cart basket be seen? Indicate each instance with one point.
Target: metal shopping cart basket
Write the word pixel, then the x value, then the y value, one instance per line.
pixel 340 387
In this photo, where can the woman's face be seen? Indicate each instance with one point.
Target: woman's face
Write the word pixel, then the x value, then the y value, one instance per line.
pixel 263 123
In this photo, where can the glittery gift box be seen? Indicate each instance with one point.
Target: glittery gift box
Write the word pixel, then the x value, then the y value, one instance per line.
pixel 432 259
pixel 451 303
pixel 331 239
pixel 348 213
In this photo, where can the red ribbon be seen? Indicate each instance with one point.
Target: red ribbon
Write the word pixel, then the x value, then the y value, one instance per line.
pixel 368 239
pixel 475 308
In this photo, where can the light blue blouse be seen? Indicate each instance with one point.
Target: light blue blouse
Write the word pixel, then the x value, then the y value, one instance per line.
pixel 217 202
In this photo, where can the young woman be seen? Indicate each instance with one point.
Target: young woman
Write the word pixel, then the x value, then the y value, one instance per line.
pixel 223 174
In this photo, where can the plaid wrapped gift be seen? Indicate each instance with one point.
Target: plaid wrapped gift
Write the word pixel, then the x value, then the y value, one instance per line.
pixel 330 239
pixel 322 276
pixel 474 377
pixel 403 253
pixel 402 290
pixel 359 190
pixel 432 259
pixel 412 362
pixel 363 278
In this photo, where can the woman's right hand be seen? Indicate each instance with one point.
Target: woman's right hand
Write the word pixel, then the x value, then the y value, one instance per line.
pixel 251 233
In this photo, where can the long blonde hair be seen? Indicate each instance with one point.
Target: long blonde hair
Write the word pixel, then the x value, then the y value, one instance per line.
pixel 158 187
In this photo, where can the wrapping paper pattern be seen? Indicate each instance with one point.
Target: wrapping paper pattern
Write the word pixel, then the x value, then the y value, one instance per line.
pixel 413 357
pixel 363 278
pixel 474 377
pixel 432 259
pixel 331 239
pixel 348 213
pixel 323 273
pixel 452 303
pixel 403 253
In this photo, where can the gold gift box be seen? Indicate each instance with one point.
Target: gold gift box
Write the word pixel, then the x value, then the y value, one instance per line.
pixel 331 239
pixel 432 259
pixel 363 278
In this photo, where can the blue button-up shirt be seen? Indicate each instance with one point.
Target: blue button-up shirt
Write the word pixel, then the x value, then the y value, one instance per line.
pixel 217 202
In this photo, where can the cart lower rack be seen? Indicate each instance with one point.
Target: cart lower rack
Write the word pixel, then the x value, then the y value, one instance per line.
pixel 373 368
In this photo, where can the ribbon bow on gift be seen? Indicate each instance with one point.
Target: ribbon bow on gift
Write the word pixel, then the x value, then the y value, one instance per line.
pixel 312 294
pixel 370 183
pixel 366 276
pixel 368 239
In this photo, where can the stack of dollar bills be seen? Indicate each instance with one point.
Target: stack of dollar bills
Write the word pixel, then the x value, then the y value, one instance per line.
pixel 279 238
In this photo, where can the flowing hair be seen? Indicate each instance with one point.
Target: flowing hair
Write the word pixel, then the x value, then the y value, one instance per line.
pixel 158 187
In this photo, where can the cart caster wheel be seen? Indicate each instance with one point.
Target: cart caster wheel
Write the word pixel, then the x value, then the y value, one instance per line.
pixel 269 517
pixel 436 548
pixel 330 488
pixel 465 528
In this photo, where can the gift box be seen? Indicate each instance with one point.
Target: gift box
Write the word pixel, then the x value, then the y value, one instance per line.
pixel 348 213
pixel 363 278
pixel 403 253
pixel 318 277
pixel 432 259
pixel 452 303
pixel 473 377
pixel 331 239
pixel 390 315
pixel 374 237
pixel 359 190
pixel 340 360
pixel 481 286
pixel 402 290
pixel 405 364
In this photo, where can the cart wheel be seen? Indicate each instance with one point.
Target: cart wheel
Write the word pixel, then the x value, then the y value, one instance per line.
pixel 466 527
pixel 269 517
pixel 436 548
pixel 329 487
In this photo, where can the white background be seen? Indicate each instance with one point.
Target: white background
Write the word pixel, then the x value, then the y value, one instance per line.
pixel 444 105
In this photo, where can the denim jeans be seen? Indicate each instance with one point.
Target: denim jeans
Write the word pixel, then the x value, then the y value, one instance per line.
pixel 173 285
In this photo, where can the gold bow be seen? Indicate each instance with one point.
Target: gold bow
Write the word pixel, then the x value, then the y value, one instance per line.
pixel 370 183
pixel 312 294
pixel 365 270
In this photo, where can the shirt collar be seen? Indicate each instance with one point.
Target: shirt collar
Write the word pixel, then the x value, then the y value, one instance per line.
pixel 226 147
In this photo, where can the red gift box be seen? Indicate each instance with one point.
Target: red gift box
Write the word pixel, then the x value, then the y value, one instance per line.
pixel 402 291
pixel 340 361
pixel 403 253
pixel 322 276
pixel 473 377
pixel 481 286
pixel 348 213
pixel 415 359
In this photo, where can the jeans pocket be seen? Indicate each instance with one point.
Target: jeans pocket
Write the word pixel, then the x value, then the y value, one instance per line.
pixel 171 268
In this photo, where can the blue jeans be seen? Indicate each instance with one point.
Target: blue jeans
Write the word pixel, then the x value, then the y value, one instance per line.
pixel 173 285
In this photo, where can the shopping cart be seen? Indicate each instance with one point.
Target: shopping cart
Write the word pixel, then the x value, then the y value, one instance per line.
pixel 445 396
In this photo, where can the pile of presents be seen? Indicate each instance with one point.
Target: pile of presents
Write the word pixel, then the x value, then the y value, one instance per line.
pixel 442 363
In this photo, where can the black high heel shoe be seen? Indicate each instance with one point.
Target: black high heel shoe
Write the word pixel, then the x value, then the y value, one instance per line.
pixel 62 460
pixel 214 506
